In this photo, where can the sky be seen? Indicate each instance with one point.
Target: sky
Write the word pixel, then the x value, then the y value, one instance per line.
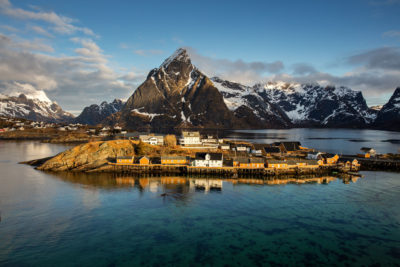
pixel 85 52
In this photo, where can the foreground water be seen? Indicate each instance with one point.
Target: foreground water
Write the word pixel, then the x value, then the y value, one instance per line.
pixel 66 219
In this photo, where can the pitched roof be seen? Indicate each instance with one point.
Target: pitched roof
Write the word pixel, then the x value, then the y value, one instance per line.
pixel 274 161
pixel 291 146
pixel 125 157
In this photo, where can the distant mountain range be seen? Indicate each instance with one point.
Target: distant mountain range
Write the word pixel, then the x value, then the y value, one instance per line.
pixel 178 95
pixel 95 114
pixel 38 109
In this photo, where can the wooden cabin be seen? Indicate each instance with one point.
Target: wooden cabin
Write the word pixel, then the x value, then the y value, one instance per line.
pixel 174 160
pixel 249 163
pixel 144 160
pixel 124 160
pixel 329 160
pixel 278 164
pixel 288 147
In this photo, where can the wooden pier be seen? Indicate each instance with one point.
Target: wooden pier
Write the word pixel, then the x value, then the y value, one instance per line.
pixel 226 172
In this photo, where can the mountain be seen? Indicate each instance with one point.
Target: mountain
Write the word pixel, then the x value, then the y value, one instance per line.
pixel 389 115
pixel 246 103
pixel 313 105
pixel 178 95
pixel 95 114
pixel 32 108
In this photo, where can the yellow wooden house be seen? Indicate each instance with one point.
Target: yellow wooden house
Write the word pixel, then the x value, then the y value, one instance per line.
pixel 125 160
pixel 175 160
pixel 332 160
pixel 278 164
pixel 249 163
pixel 144 160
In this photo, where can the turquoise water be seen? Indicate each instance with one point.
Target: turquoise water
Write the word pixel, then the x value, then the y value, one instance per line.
pixel 75 220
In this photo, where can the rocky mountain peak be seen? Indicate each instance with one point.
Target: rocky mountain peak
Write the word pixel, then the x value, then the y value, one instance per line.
pixel 178 57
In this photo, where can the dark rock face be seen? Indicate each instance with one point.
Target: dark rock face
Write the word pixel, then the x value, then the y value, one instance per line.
pixel 177 95
pixel 95 114
pixel 389 115
pixel 312 105
pixel 247 104
pixel 33 109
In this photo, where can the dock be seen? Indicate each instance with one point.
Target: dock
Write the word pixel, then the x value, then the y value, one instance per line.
pixel 226 171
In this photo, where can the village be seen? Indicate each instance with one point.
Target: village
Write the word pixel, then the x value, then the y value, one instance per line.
pixel 209 154
pixel 205 153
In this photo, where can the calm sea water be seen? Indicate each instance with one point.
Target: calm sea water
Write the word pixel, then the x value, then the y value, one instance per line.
pixel 342 141
pixel 74 220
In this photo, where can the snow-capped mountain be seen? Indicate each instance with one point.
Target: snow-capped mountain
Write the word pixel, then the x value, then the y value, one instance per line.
pixel 315 105
pixel 95 114
pixel 389 115
pixel 245 102
pixel 298 105
pixel 174 95
pixel 178 95
pixel 36 107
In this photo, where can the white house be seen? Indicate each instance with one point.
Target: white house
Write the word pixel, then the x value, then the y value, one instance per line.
pixel 190 138
pixel 225 146
pixel 208 160
pixel 152 139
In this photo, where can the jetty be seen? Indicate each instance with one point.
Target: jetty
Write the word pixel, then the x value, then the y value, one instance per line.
pixel 225 171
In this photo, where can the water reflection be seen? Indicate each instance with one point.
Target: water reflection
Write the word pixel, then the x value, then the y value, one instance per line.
pixel 183 185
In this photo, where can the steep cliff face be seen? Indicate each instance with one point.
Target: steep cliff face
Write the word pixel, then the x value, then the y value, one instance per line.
pixel 95 114
pixel 175 95
pixel 37 109
pixel 389 115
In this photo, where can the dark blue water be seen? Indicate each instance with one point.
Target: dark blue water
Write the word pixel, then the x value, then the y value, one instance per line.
pixel 75 220
pixel 341 141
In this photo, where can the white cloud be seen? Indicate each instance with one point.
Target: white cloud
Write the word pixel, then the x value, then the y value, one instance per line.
pixel 40 30
pixel 60 24
pixel 238 71
pixel 74 81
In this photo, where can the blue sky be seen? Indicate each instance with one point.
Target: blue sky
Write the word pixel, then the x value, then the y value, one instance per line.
pixel 110 46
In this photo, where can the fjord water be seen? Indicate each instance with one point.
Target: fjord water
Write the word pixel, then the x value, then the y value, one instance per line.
pixel 341 141
pixel 76 219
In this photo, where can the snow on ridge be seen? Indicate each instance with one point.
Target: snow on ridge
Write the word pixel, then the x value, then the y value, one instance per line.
pixel 180 55
pixel 151 115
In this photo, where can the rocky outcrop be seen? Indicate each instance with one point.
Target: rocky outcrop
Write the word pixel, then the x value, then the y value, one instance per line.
pixel 92 156
pixel 389 115
pixel 95 114
pixel 33 109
